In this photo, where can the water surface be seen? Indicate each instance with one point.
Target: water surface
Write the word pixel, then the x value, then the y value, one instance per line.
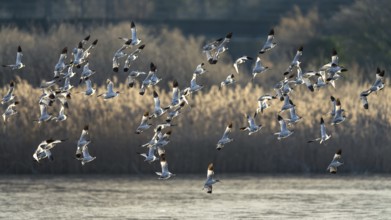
pixel 236 197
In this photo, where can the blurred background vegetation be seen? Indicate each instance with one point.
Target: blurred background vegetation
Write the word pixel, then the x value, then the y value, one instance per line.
pixel 174 32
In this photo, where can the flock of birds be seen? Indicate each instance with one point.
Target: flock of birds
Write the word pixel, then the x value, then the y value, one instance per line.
pixel 327 75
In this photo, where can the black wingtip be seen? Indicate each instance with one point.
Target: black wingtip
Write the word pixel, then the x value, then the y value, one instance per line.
pixel 80 46
pixel 95 42
pixel 87 38
pixel 152 67
pixel 271 32
pixel 132 25
pixel 332 98
pixel 141 47
pixel 115 69
pixel 334 52
pixel 155 95
pixel 19 49
pixel 339 152
pixel 128 42
pixel 230 125
pixel 338 102
pixel 126 70
pixel 300 49
pixel 175 84
pixel 64 50
pixel 12 84
pixel 382 73
pixel 377 70
pixel 366 106
pixel 249 58
pixel 85 127
pixel 321 120
pixel 229 35
pixel 279 118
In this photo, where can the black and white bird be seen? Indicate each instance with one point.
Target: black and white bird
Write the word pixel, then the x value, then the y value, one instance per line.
pixel 252 128
pixel 60 66
pixel 158 110
pixel 89 89
pixel 61 115
pixel 45 116
pixel 228 81
pixel 87 72
pixel 263 102
pixel 18 64
pixel 199 69
pixel 323 135
pixel 258 68
pixel 239 61
pixel 295 60
pixel 43 149
pixel 194 87
pixel 150 156
pixel 10 111
pixel 165 174
pixel 151 79
pixel 86 157
pixel 225 139
pixel 84 140
pixel 333 106
pixel 120 54
pixel 144 125
pixel 339 116
pixel 132 76
pixel 209 179
pixel 288 104
pixel 109 94
pixel 269 44
pixel 10 94
pixel 335 163
pixel 294 118
pixel 134 39
pixel 87 52
pixel 132 57
pixel 284 132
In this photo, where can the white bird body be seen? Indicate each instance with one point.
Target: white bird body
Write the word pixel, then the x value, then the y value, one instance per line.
pixel 209 179
pixel 45 116
pixel 263 102
pixel 165 174
pixel 10 94
pixel 199 69
pixel 284 132
pixel 225 139
pixel 60 65
pixel 10 111
pixel 86 156
pixel 150 157
pixel 335 163
pixel 110 92
pixel 323 135
pixel 258 68
pixel 83 141
pixel 295 61
pixel 252 127
pixel 239 61
pixel 339 117
pixel 89 90
pixel 269 44
pixel 144 125
pixel 132 57
pixel 228 81
pixel 18 63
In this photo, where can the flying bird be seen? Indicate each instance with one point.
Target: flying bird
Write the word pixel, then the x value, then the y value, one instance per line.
pixel 252 127
pixel 209 179
pixel 335 163
pixel 284 132
pixel 323 135
pixel 225 139
pixel 18 64
pixel 239 61
pixel 269 44
pixel 165 174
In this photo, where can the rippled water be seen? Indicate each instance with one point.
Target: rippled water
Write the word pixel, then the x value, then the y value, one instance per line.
pixel 236 197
